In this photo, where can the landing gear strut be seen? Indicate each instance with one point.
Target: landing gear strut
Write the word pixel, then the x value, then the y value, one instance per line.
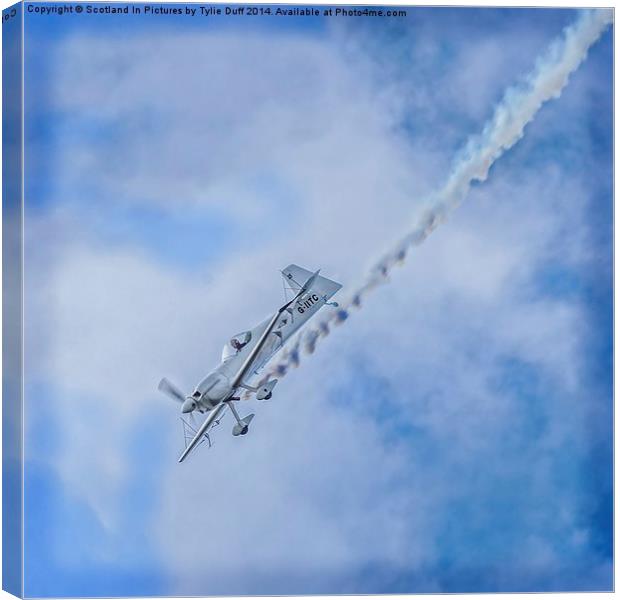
pixel 242 426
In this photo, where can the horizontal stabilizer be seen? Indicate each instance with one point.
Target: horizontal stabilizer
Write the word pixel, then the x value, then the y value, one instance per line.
pixel 296 277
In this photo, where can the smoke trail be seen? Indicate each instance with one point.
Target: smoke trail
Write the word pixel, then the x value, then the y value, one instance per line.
pixel 518 107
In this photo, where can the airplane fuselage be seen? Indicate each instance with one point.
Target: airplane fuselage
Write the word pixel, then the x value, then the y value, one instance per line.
pixel 214 388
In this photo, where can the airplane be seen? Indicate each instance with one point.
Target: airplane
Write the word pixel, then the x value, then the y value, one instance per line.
pixel 246 353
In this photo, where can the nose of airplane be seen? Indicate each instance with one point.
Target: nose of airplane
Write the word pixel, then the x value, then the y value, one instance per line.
pixel 188 406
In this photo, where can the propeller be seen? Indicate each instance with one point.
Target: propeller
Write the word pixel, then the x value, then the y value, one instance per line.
pixel 188 403
pixel 171 391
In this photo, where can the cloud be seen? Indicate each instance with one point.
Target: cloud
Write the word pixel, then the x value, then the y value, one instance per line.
pixel 440 432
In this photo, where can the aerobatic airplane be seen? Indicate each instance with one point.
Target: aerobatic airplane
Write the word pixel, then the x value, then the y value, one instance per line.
pixel 248 352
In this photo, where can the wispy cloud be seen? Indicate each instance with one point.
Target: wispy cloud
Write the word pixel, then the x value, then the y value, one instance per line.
pixel 437 443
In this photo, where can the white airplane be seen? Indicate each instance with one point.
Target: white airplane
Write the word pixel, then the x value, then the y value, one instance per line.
pixel 248 352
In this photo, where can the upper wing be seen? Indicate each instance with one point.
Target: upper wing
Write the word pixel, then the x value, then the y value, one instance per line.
pixel 312 292
pixel 246 366
pixel 318 290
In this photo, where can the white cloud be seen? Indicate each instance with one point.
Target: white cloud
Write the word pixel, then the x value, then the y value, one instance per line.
pixel 320 485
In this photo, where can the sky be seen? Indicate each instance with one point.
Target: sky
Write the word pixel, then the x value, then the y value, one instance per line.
pixel 453 435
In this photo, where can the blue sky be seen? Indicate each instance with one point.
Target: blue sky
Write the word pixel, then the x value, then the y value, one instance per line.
pixel 453 435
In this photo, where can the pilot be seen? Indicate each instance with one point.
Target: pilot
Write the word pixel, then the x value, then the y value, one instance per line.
pixel 236 344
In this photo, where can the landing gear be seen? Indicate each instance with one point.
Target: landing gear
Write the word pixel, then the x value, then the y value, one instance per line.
pixel 242 426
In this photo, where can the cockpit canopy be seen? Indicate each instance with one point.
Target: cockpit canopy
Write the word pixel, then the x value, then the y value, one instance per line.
pixel 235 344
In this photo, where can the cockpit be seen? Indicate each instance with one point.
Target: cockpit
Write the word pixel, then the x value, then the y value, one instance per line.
pixel 236 344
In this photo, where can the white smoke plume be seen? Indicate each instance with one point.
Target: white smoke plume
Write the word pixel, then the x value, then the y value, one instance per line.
pixel 518 107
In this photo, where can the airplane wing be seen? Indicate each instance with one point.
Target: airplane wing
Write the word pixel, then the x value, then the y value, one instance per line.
pixel 302 302
pixel 237 379
pixel 318 291
pixel 213 415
